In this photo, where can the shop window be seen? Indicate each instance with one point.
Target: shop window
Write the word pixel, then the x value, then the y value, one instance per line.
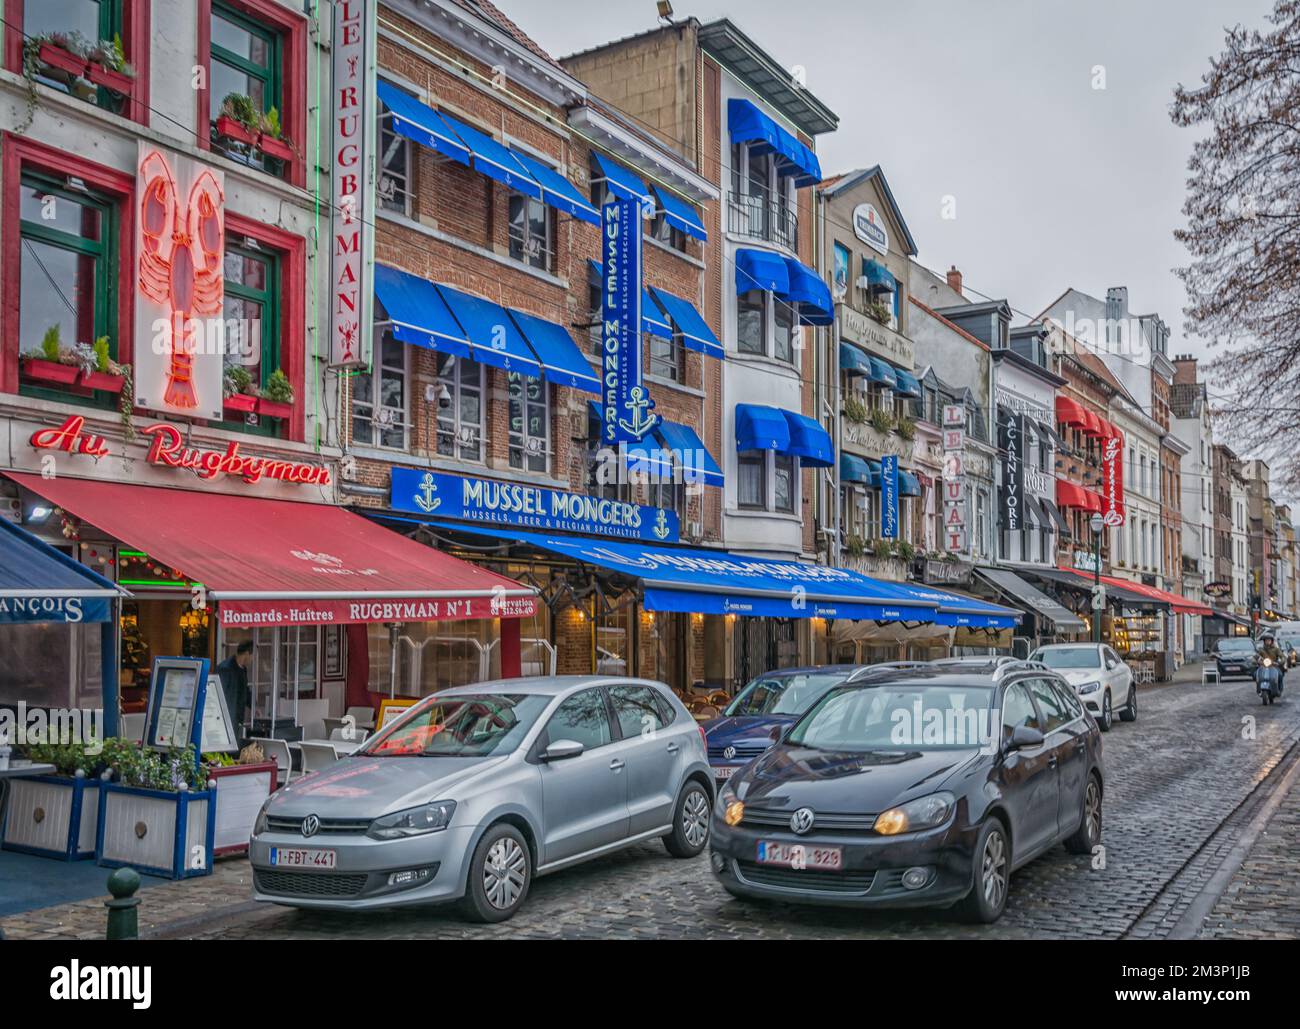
pixel 530 231
pixel 751 319
pixel 784 479
pixel 68 281
pixel 667 357
pixel 765 325
pixel 252 314
pixel 460 408
pixel 100 35
pixel 751 489
pixel 395 190
pixel 783 325
pixel 379 398
pixel 667 233
pixel 530 416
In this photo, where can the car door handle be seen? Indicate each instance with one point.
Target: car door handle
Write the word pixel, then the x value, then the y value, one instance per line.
pixel 673 748
pixel 616 765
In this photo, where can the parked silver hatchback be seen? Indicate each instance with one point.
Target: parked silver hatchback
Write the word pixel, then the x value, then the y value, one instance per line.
pixel 475 790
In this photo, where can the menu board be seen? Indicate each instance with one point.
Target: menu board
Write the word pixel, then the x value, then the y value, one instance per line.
pixel 215 733
pixel 176 690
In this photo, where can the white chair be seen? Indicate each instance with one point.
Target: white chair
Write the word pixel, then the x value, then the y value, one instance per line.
pixel 1209 673
pixel 313 729
pixel 277 751
pixel 133 727
pixel 363 716
pixel 316 756
pixel 341 733
pixel 331 724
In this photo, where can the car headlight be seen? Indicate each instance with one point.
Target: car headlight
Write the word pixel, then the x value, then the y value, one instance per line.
pixel 259 824
pixel 730 806
pixel 922 813
pixel 1089 687
pixel 413 821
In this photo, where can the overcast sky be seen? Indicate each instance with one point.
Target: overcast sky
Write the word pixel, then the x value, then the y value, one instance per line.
pixel 1056 183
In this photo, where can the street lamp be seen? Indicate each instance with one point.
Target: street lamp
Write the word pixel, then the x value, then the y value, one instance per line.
pixel 1098 525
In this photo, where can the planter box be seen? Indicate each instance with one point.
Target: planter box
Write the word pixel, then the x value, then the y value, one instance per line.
pixel 102 381
pixel 240 402
pixel 241 792
pixel 235 131
pixel 117 81
pixel 63 60
pixel 53 816
pixel 49 371
pixel 273 147
pixel 273 408
pixel 156 831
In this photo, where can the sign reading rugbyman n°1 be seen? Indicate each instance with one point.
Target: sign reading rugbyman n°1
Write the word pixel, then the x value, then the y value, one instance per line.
pixel 626 408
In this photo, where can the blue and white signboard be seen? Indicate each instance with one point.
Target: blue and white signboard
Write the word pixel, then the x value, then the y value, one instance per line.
pixel 628 411
pixel 889 497
pixel 496 502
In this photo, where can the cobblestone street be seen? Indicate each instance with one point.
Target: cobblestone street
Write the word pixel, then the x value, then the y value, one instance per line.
pixel 1181 814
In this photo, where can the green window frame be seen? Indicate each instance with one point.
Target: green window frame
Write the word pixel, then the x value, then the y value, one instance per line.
pixel 269 76
pixel 110 24
pixel 269 299
pixel 104 251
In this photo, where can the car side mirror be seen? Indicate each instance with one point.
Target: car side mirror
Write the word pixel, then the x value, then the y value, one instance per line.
pixel 1022 736
pixel 777 733
pixel 561 750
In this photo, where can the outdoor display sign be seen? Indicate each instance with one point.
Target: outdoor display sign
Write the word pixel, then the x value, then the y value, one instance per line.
pixel 351 168
pixel 889 496
pixel 512 503
pixel 177 695
pixel 179 285
pixel 626 408
pixel 216 729
pixel 1013 471
pixel 1112 478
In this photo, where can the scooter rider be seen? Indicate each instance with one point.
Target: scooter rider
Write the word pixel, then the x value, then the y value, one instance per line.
pixel 1269 649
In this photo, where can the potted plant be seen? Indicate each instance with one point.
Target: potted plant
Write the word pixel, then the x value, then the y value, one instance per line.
pixel 157 811
pixel 106 374
pixel 880 312
pixel 106 66
pixel 48 364
pixel 855 546
pixel 55 815
pixel 275 399
pixel 855 410
pixel 882 548
pixel 59 55
pixel 242 784
pixel 237 120
pixel 881 420
pixel 906 551
pixel 270 137
pixel 905 427
pixel 237 387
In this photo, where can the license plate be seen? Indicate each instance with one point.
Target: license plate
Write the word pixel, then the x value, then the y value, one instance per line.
pixel 725 771
pixel 287 857
pixel 800 857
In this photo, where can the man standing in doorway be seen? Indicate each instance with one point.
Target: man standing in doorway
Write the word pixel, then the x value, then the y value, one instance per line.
pixel 233 672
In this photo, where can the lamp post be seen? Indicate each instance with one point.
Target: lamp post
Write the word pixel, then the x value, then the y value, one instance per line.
pixel 1098 525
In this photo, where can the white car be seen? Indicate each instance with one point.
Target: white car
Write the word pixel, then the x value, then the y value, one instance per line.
pixel 1099 676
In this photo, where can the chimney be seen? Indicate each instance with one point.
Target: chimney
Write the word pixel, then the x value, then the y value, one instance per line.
pixel 1185 369
pixel 954 280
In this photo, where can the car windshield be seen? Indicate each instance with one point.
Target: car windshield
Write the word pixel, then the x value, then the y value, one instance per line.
pixel 476 725
pixel 1236 647
pixel 898 717
pixel 783 694
pixel 1068 657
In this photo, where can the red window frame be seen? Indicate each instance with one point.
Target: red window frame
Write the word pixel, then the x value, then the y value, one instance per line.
pixel 19 153
pixel 292 251
pixel 136 42
pixel 292 27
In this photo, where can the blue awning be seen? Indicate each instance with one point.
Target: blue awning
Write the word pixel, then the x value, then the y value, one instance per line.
pixel 41 584
pixel 557 191
pixel 420 123
pixel 623 183
pixel 958 609
pixel 717 582
pixel 853 360
pixel 908 386
pixel 696 334
pixel 879 277
pixel 690 453
pixel 417 313
pixel 908 484
pixel 761 428
pixel 882 372
pixel 644 458
pixel 493 337
pixel 810 295
pixel 856 469
pixel 562 361
pixel 747 124
pixel 761 269
pixel 653 320
pixel 809 441
pixel 680 213
pixel 492 159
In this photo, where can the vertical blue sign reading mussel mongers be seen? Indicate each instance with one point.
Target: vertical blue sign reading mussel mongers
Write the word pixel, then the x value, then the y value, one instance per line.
pixel 626 406
pixel 889 497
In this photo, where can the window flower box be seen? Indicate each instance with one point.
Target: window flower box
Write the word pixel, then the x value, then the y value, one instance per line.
pixel 273 408
pixel 58 58
pixel 161 832
pixel 53 816
pixel 101 75
pixel 49 371
pixel 241 791
pixel 235 131
pixel 273 147
pixel 241 403
pixel 105 381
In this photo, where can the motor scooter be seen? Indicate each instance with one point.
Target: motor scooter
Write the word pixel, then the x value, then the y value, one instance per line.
pixel 1268 680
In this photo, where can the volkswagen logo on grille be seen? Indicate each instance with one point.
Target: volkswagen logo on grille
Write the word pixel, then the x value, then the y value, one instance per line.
pixel 802 821
pixel 311 824
pixel 729 753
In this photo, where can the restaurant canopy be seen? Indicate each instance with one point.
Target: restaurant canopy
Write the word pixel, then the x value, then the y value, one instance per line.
pixel 278 562
pixel 41 584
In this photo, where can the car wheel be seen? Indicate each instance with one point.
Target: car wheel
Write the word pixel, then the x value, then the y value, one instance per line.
pixel 1130 712
pixel 991 874
pixel 1107 714
pixel 1088 835
pixel 500 872
pixel 690 822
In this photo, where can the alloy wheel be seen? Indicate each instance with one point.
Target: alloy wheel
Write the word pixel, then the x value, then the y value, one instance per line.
pixel 1092 810
pixel 505 870
pixel 695 818
pixel 993 873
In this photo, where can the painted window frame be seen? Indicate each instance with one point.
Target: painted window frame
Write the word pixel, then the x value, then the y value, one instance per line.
pixel 455 374
pixel 391 144
pixel 518 440
pixel 376 373
pixel 518 248
pixel 270 331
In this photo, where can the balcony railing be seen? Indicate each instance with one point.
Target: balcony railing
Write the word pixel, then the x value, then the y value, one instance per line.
pixel 760 217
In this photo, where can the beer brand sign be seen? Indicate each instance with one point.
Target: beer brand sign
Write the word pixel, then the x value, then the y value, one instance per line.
pixel 1112 479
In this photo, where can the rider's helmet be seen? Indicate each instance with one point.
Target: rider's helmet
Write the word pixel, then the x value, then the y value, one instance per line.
pixel 1266 638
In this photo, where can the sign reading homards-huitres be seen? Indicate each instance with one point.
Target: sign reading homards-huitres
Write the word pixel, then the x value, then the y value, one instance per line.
pixel 492 501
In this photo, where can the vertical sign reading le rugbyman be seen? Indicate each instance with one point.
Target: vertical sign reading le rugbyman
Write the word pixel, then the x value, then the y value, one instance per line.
pixel 352 238
pixel 625 402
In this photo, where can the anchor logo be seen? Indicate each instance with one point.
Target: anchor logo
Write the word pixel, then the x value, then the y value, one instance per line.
pixel 638 406
pixel 424 497
pixel 661 524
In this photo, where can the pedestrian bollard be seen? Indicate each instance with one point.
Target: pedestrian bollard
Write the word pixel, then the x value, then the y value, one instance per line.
pixel 123 923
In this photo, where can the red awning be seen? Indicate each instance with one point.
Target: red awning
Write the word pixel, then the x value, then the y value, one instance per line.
pixel 1070 495
pixel 278 562
pixel 1179 603
pixel 1071 412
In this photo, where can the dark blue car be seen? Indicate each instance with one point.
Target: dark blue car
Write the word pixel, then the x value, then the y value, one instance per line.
pixel 744 729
